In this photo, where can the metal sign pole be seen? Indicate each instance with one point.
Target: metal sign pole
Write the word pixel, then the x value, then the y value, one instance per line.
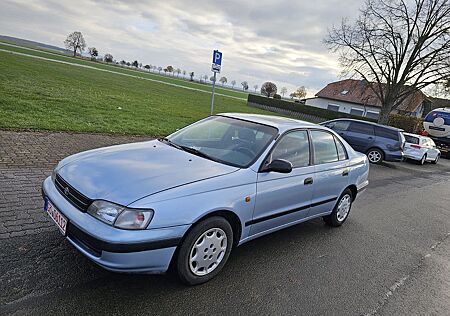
pixel 212 96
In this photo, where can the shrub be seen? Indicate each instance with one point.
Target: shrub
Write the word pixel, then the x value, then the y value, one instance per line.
pixel 409 124
pixel 302 108
pixel 276 96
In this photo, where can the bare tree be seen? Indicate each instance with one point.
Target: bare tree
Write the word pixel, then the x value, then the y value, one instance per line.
pixel 397 46
pixel 75 42
pixel 108 58
pixel 93 52
pixel 178 71
pixel 223 80
pixel 191 74
pixel 244 85
pixel 184 73
pixel 255 87
pixel 283 91
pixel 233 83
pixel 160 69
pixel 268 89
pixel 212 79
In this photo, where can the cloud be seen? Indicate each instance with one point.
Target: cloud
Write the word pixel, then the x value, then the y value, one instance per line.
pixel 261 40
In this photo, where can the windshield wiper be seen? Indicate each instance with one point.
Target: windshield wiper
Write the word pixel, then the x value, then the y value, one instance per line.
pixel 170 143
pixel 188 149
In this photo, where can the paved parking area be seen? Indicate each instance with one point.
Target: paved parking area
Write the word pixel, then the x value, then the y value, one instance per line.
pixel 391 257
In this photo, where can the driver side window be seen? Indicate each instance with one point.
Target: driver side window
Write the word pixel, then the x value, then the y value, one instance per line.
pixel 293 147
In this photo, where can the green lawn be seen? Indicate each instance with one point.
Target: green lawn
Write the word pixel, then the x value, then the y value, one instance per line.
pixel 126 70
pixel 42 94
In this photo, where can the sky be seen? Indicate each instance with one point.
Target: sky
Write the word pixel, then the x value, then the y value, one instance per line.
pixel 278 41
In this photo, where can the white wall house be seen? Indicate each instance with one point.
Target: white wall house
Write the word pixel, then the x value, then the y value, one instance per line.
pixel 345 107
pixel 357 98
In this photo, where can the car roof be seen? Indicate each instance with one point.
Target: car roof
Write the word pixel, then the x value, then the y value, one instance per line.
pixel 282 123
pixel 367 122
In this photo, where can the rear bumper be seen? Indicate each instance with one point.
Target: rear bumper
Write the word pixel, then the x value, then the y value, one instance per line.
pixel 114 249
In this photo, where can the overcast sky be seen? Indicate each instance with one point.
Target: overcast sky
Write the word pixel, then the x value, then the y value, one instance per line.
pixel 262 40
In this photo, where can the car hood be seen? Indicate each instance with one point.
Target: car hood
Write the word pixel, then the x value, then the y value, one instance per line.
pixel 125 173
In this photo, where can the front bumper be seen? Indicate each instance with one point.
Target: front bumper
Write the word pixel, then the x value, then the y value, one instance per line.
pixel 119 250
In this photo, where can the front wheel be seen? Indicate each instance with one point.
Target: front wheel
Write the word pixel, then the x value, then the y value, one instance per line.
pixel 375 155
pixel 204 251
pixel 341 209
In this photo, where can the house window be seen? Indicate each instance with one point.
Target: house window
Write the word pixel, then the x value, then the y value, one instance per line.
pixel 344 92
pixel 372 115
pixel 333 107
pixel 357 112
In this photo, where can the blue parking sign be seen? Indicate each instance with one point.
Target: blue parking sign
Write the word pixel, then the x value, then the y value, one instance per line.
pixel 217 57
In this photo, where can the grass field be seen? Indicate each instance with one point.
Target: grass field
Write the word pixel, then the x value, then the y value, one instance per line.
pixel 48 95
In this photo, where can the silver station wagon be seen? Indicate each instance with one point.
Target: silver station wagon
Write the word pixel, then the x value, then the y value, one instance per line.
pixel 187 199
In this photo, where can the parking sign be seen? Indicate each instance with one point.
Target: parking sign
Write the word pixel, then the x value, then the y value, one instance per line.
pixel 217 61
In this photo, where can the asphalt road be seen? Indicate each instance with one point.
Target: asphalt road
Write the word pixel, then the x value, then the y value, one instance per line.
pixel 391 257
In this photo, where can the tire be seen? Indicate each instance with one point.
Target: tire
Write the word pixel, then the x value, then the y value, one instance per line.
pixel 191 271
pixel 375 155
pixel 435 161
pixel 423 160
pixel 337 218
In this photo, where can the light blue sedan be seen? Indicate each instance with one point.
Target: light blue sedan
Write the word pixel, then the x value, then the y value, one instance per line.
pixel 186 200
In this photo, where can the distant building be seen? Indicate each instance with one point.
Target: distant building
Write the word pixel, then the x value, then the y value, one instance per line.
pixel 357 98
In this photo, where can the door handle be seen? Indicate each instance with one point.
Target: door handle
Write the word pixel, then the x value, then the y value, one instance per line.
pixel 345 173
pixel 308 181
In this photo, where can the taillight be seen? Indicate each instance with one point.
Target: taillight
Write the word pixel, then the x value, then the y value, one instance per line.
pixel 416 146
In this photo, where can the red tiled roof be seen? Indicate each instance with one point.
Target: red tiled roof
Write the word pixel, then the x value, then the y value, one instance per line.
pixel 359 92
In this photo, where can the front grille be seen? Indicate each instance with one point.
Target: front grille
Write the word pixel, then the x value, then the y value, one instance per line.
pixel 73 196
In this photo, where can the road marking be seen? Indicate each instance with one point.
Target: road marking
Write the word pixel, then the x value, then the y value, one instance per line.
pixel 116 72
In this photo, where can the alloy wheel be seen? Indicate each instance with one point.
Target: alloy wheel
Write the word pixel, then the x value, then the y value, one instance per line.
pixel 374 156
pixel 208 251
pixel 344 207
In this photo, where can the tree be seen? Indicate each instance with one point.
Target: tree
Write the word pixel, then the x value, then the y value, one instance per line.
pixel 178 71
pixel 93 52
pixel 159 69
pixel 165 70
pixel 135 64
pixel 123 62
pixel 184 73
pixel 212 79
pixel 128 64
pixel 205 77
pixel 223 80
pixel 140 65
pixel 398 47
pixel 300 93
pixel 169 69
pixel 191 74
pixel 233 83
pixel 147 67
pixel 283 91
pixel 244 85
pixel 108 58
pixel 75 42
pixel 269 89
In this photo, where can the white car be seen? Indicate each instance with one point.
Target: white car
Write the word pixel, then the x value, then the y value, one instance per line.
pixel 421 148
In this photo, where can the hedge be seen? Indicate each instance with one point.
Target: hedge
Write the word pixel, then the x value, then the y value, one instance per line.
pixel 409 124
pixel 302 108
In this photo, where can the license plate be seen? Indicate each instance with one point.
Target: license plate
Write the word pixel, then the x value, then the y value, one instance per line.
pixel 59 219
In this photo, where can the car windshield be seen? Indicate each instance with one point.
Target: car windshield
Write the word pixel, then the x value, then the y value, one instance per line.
pixel 227 140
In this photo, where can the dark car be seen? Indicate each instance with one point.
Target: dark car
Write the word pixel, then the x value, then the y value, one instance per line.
pixel 378 142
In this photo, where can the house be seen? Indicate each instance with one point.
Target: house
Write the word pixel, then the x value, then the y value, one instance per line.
pixel 357 98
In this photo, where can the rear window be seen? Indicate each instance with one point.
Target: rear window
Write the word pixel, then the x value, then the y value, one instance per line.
pixel 411 139
pixel 363 128
pixel 387 133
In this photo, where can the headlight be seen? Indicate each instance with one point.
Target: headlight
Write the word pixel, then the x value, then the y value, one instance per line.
pixel 120 216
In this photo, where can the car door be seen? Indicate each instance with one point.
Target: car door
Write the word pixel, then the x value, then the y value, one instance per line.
pixel 331 171
pixel 284 198
pixel 340 127
pixel 360 136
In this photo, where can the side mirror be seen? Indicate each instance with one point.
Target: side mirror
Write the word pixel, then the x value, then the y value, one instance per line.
pixel 279 165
